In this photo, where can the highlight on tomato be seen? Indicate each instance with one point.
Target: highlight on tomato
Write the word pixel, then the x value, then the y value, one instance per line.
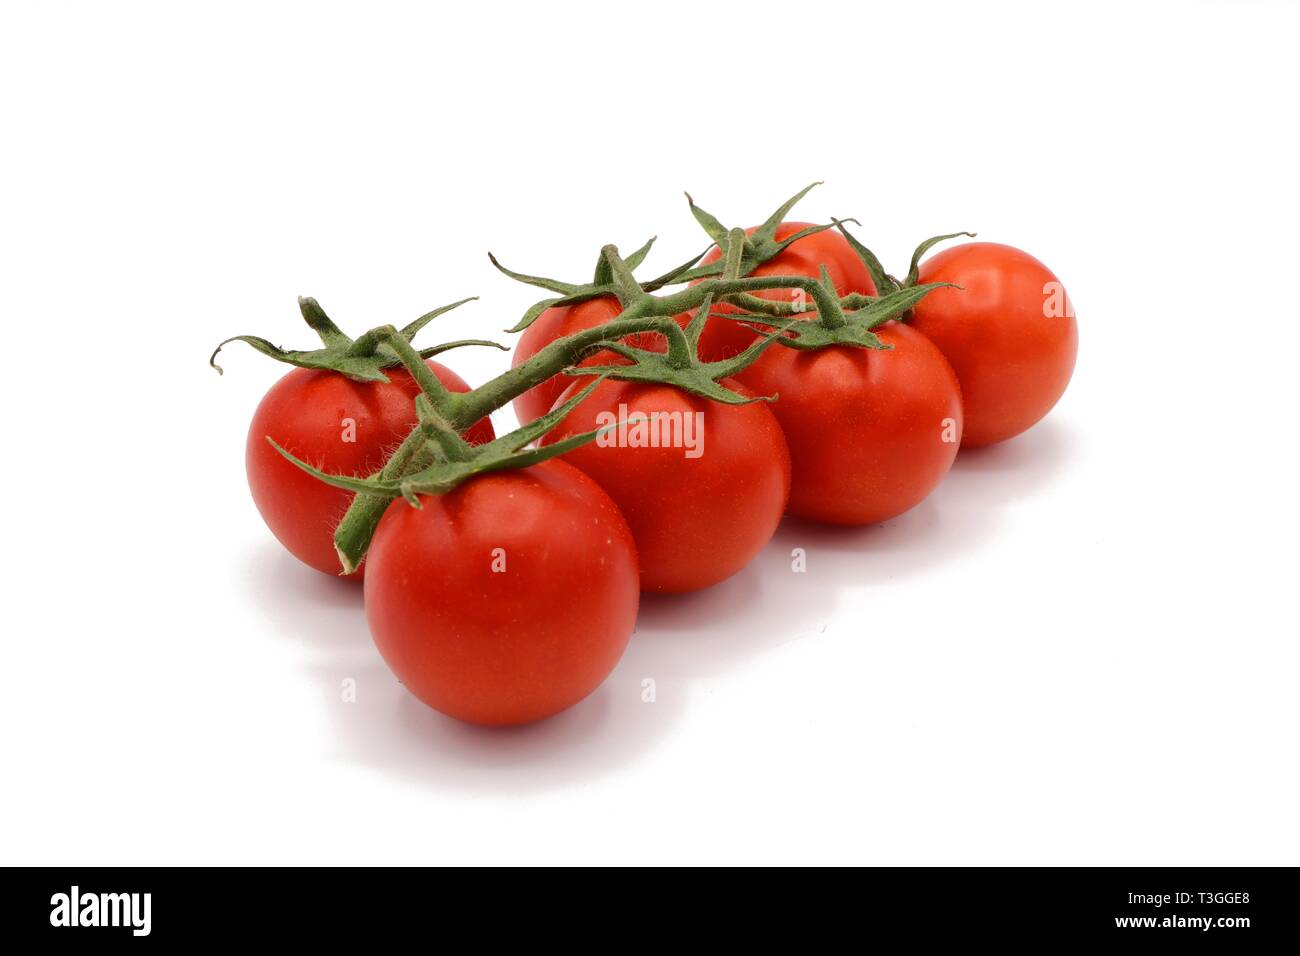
pixel 1009 332
pixel 507 599
pixel 871 431
pixel 703 484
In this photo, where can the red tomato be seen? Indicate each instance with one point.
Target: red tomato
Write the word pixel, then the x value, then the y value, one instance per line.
pixel 1009 332
pixel 563 321
pixel 506 600
pixel 871 432
pixel 308 413
pixel 703 501
pixel 724 338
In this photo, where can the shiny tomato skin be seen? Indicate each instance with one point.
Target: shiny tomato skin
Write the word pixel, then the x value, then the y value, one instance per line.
pixel 1009 333
pixel 506 600
pixel 307 412
pixel 696 520
pixel 723 338
pixel 562 321
pixel 871 432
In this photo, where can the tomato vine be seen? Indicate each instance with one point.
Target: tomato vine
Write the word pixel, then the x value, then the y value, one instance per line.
pixel 434 458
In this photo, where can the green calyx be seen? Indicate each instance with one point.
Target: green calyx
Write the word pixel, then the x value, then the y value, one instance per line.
pixel 883 280
pixel 680 365
pixel 857 327
pixel 362 359
pixel 752 249
pixel 602 284
pixel 749 252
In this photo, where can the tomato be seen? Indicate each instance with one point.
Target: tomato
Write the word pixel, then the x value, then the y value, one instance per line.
pixel 340 426
pixel 705 498
pixel 871 432
pixel 723 338
pixel 507 599
pixel 1009 332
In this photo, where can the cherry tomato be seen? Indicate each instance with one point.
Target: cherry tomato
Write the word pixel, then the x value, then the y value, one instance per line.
pixel 340 426
pixel 705 497
pixel 723 338
pixel 1009 333
pixel 506 600
pixel 871 432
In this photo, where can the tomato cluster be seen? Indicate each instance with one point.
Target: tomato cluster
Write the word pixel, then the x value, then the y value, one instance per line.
pixel 662 440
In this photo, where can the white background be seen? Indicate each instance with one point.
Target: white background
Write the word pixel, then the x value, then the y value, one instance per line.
pixel 1081 649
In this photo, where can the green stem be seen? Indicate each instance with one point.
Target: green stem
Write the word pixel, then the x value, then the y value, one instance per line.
pixel 628 289
pixel 352 537
pixel 414 363
pixel 469 407
pixel 828 306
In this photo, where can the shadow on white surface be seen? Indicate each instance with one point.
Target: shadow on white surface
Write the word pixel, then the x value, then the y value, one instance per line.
pixel 303 603
pixel 679 639
pixel 769 604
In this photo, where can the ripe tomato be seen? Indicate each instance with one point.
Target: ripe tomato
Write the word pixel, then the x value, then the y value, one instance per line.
pixel 723 338
pixel 871 432
pixel 1009 332
pixel 506 600
pixel 704 498
pixel 340 426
